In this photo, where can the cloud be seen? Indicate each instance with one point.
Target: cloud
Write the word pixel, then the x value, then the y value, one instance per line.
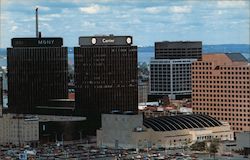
pixel 180 9
pixel 232 4
pixel 13 28
pixel 53 15
pixel 171 9
pixel 88 24
pixel 44 8
pixel 93 9
pixel 154 10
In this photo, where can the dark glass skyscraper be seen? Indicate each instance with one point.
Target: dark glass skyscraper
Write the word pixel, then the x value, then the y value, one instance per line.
pixel 105 76
pixel 178 50
pixel 37 73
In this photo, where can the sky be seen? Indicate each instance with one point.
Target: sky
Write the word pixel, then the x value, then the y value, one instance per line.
pixel 148 21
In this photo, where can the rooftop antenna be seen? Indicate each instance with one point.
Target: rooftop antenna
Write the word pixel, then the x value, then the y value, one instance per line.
pixel 37 34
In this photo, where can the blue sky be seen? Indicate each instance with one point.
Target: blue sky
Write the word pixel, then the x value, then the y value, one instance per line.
pixel 213 22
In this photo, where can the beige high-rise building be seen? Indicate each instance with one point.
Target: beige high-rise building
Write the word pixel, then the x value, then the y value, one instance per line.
pixel 221 89
pixel 143 90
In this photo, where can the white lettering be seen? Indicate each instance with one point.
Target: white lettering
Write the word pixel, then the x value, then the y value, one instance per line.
pixel 45 42
pixel 108 40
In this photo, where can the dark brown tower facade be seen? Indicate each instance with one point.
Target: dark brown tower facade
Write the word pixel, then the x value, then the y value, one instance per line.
pixel 105 76
pixel 37 73
pixel 178 50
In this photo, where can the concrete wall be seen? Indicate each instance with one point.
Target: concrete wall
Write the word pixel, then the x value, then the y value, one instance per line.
pixel 18 130
pixel 118 129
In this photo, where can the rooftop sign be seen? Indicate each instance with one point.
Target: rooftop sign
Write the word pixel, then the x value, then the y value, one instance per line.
pixel 105 40
pixel 37 42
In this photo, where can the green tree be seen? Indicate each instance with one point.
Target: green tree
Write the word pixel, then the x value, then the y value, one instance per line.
pixel 198 146
pixel 214 146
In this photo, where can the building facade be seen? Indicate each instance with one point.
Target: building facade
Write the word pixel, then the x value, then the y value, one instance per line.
pixel 132 131
pixel 37 73
pixel 178 50
pixel 105 77
pixel 19 129
pixel 170 70
pixel 1 96
pixel 221 89
pixel 171 77
pixel 143 90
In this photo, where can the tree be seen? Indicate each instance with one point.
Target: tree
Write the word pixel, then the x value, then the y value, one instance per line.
pixel 198 146
pixel 214 146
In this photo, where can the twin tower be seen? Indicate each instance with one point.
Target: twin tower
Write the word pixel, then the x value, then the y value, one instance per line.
pixel 105 69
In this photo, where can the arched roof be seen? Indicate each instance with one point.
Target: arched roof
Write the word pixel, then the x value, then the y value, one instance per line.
pixel 179 122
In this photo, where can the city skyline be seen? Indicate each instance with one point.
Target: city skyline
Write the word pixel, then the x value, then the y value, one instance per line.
pixel 216 22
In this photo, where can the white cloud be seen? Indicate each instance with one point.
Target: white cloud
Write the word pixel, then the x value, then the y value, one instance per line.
pixel 44 8
pixel 53 15
pixel 171 9
pixel 92 9
pixel 4 16
pixel 47 27
pixel 88 24
pixel 232 4
pixel 13 28
pixel 154 10
pixel 180 9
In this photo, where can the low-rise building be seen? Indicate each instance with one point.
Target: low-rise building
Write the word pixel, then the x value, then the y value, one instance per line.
pixel 132 131
pixel 19 129
pixel 22 129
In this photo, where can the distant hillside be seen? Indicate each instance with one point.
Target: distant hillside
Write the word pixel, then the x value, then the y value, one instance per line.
pixel 227 48
pixel 3 51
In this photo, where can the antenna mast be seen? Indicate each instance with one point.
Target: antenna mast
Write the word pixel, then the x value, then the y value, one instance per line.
pixel 37 34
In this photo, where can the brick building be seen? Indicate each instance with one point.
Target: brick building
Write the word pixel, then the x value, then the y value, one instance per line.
pixel 221 89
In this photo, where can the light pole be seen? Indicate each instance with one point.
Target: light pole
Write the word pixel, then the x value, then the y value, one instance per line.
pixel 62 139
pixel 88 148
pixel 80 132
pixel 55 137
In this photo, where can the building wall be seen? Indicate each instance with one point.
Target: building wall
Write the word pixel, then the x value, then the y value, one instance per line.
pixel 121 132
pixel 36 75
pixel 143 90
pixel 18 130
pixel 178 50
pixel 118 129
pixel 1 96
pixel 170 77
pixel 221 89
pixel 105 80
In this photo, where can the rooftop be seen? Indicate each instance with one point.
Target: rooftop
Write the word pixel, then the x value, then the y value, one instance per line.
pixel 236 57
pixel 179 122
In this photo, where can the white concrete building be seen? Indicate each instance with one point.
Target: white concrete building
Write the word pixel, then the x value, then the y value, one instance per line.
pixel 18 129
pixel 131 131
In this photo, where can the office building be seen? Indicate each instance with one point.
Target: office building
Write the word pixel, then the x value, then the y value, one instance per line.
pixel 132 131
pixel 37 73
pixel 105 77
pixel 221 89
pixel 1 96
pixel 178 50
pixel 171 78
pixel 170 70
pixel 143 90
